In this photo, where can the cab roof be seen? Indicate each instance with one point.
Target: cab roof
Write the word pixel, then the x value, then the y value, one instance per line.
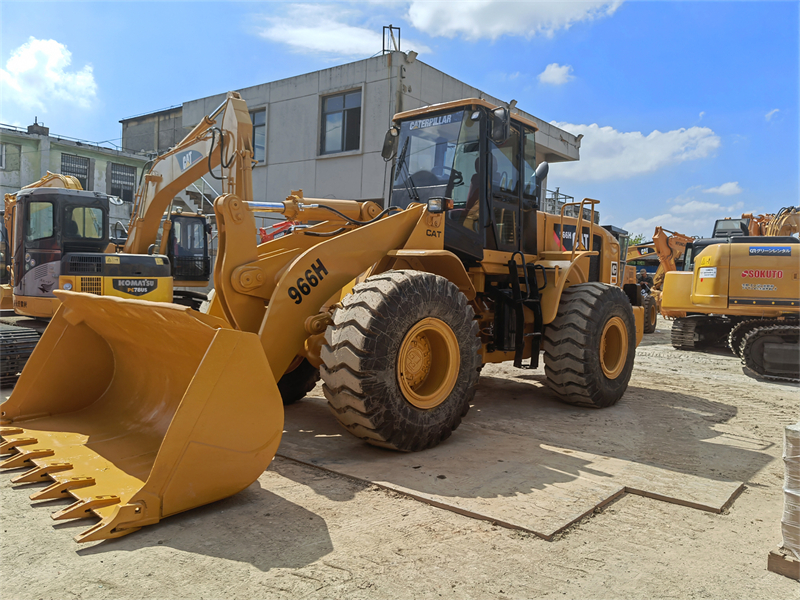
pixel 460 104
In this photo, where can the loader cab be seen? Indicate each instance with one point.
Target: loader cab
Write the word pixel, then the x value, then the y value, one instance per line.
pixel 50 223
pixel 188 247
pixel 482 161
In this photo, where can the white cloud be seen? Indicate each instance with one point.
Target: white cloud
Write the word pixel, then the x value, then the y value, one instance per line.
pixel 687 216
pixel 726 189
pixel 491 19
pixel 555 74
pixel 37 74
pixel 702 114
pixel 610 154
pixel 324 29
pixel 772 113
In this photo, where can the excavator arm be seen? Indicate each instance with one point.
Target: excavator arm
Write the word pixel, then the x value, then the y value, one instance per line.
pixel 223 138
pixel 670 246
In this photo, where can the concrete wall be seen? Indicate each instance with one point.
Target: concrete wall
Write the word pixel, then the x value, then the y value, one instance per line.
pixel 155 132
pixel 293 115
pixel 22 165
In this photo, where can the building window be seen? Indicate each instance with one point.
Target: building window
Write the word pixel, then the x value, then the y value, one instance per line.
pixel 77 166
pixel 2 156
pixel 259 135
pixel 341 122
pixel 123 181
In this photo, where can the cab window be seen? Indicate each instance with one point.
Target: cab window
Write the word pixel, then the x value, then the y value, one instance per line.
pixel 40 221
pixel 528 165
pixel 84 222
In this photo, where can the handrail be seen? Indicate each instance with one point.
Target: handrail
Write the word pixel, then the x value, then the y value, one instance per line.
pixel 578 237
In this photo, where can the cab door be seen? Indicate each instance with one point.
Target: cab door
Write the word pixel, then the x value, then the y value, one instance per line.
pixel 503 170
pixel 37 252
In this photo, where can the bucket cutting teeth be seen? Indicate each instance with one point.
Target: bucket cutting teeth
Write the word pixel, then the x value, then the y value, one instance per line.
pixel 24 458
pixel 12 443
pixel 61 488
pixel 41 472
pixel 4 431
pixel 83 508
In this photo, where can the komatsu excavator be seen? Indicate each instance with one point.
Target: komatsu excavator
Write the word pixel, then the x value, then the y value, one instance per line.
pixel 139 410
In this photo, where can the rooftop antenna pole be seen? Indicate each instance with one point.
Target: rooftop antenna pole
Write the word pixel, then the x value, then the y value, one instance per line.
pixel 390 44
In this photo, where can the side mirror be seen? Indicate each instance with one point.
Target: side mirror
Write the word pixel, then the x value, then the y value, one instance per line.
pixel 541 174
pixel 500 125
pixel 390 143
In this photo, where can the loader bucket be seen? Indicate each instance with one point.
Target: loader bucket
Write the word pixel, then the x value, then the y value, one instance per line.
pixel 139 410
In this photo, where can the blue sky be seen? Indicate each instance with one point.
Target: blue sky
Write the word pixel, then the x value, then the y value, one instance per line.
pixel 689 110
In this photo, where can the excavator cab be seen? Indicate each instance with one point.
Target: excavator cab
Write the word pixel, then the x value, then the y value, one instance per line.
pixel 53 223
pixel 187 248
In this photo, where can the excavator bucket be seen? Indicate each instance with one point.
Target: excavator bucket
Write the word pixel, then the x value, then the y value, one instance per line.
pixel 139 410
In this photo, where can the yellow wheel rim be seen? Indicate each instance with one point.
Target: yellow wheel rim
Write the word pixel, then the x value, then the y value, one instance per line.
pixel 653 313
pixel 614 347
pixel 428 363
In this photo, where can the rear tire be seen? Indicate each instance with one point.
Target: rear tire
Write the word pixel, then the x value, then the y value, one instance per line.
pixel 650 314
pixel 401 360
pixel 296 383
pixel 590 346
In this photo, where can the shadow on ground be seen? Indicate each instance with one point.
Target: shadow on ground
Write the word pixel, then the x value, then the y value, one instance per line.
pixel 254 526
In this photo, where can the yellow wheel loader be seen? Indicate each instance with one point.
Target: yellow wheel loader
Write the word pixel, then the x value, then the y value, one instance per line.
pixel 745 292
pixel 139 410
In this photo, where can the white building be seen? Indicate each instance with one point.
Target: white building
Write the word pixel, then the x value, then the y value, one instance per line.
pixel 322 132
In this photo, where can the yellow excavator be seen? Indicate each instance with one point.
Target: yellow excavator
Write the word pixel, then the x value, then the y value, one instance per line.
pixel 745 292
pixel 62 237
pixel 139 410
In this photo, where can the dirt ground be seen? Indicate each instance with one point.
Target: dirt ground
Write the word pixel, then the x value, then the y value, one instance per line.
pixel 302 532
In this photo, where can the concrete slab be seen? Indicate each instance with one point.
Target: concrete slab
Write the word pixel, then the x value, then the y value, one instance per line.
pixel 502 464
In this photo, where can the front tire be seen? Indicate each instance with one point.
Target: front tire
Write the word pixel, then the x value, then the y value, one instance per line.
pixel 401 361
pixel 590 346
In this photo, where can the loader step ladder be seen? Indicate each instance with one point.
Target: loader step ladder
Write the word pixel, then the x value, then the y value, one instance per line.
pixel 532 301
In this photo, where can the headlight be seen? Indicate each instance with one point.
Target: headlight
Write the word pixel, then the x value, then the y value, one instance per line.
pixel 27 257
pixel 68 286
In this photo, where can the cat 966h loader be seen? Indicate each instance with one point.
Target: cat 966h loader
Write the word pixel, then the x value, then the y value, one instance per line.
pixel 140 410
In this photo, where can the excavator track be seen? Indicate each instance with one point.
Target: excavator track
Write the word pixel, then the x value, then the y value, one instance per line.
pixel 683 333
pixel 773 352
pixel 700 331
pixel 16 346
pixel 740 331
